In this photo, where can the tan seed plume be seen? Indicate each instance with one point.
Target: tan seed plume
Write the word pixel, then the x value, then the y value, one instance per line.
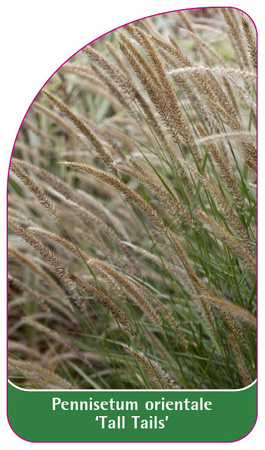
pixel 239 360
pixel 50 258
pixel 174 113
pixel 35 268
pixel 105 301
pixel 157 375
pixel 224 168
pixel 137 297
pixel 17 284
pixel 109 232
pixel 39 194
pixel 224 305
pixel 38 374
pixel 85 131
pixel 170 203
pixel 225 209
pixel 122 188
pixel 251 40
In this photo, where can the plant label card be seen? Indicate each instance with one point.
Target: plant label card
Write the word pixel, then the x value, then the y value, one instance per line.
pixel 132 238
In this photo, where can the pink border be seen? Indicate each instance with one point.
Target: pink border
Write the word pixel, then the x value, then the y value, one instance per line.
pixel 121 26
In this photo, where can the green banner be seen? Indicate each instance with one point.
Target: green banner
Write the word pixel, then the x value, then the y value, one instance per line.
pixel 132 415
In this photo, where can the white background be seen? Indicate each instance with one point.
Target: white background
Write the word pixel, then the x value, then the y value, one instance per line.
pixel 36 38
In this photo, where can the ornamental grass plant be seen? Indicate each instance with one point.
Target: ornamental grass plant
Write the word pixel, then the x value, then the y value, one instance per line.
pixel 132 212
